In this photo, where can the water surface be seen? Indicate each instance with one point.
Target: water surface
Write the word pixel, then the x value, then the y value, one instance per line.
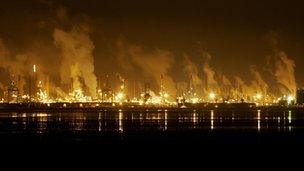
pixel 123 127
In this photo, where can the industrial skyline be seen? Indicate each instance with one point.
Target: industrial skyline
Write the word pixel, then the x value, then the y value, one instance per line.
pixel 208 74
pixel 232 50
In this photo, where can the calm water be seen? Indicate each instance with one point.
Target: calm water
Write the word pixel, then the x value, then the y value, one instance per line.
pixel 198 127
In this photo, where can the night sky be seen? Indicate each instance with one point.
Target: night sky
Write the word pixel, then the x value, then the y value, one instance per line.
pixel 235 33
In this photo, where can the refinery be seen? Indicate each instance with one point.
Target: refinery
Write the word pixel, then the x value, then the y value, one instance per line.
pixel 36 94
pixel 219 74
pixel 69 74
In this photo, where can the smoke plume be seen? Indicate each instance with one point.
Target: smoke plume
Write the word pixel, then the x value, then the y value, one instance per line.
pixel 284 73
pixel 157 65
pixel 226 81
pixel 191 69
pixel 226 87
pixel 77 58
pixel 14 64
pixel 284 66
pixel 209 73
pixel 154 64
pixel 258 83
pixel 18 66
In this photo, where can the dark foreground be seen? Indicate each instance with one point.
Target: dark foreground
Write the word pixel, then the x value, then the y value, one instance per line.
pixel 208 127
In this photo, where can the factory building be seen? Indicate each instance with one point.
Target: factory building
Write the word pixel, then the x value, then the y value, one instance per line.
pixel 12 93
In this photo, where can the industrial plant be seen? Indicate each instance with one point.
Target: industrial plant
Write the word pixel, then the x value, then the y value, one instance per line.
pixel 36 93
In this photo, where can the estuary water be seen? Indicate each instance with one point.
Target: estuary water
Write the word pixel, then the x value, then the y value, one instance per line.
pixel 160 127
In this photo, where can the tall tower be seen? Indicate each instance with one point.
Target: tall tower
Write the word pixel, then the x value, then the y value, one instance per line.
pixel 98 83
pixel 191 86
pixel 20 85
pixel 34 83
pixel 163 93
pixel 147 95
pixel 12 91
pixel 162 86
pixel 47 85
pixel 107 93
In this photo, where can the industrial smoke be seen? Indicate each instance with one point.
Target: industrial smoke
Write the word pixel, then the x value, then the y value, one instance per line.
pixel 77 58
pixel 211 83
pixel 284 73
pixel 192 71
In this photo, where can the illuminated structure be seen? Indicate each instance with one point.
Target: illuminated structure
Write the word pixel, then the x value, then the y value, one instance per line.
pixel 147 96
pixel 32 84
pixel 39 92
pixel 120 97
pixel 106 94
pixel 212 96
pixel 12 94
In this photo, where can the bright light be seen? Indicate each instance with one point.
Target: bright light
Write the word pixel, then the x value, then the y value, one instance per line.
pixel 212 96
pixel 194 100
pixel 166 95
pixel 290 98
pixel 78 96
pixel 259 96
pixel 34 68
pixel 120 95
pixel 43 97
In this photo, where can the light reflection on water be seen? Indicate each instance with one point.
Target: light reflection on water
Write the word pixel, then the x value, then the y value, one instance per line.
pixel 166 121
pixel 120 120
pixel 289 120
pixel 123 121
pixel 212 120
pixel 259 120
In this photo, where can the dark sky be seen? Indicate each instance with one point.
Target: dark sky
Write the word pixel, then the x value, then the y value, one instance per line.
pixel 233 32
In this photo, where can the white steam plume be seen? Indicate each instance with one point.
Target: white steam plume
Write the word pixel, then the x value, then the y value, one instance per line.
pixel 258 83
pixel 77 58
pixel 157 65
pixel 154 64
pixel 285 68
pixel 210 74
pixel 191 69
